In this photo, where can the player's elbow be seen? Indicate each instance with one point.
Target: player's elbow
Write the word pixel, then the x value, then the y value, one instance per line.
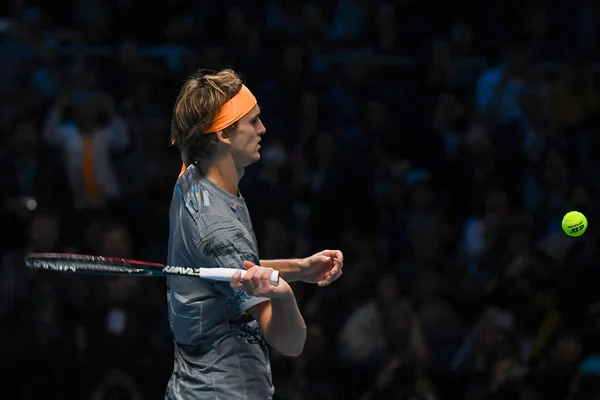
pixel 282 325
pixel 292 346
pixel 294 352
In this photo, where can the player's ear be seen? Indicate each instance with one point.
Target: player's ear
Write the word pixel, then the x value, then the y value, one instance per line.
pixel 224 136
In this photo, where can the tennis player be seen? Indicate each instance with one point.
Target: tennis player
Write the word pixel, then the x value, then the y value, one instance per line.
pixel 222 330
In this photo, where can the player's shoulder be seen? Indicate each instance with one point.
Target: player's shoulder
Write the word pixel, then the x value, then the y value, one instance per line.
pixel 198 196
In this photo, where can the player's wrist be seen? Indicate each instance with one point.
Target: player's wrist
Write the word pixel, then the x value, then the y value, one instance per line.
pixel 297 269
pixel 291 270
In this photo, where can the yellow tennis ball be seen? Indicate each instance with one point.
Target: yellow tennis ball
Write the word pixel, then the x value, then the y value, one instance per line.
pixel 574 223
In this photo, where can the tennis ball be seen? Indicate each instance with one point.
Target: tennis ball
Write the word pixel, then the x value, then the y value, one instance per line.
pixel 574 223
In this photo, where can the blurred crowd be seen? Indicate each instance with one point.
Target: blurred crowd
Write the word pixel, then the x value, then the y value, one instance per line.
pixel 437 144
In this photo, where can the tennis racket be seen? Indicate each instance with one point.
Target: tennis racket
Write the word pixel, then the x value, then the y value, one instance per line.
pixel 79 263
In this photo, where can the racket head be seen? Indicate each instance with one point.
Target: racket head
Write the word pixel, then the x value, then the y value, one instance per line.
pixel 88 264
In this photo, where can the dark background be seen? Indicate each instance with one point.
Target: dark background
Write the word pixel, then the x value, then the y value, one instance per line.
pixel 438 144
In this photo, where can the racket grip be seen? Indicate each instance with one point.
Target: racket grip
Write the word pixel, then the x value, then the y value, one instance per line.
pixel 274 278
pixel 224 274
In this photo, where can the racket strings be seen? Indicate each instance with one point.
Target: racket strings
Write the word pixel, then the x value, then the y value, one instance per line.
pixel 74 266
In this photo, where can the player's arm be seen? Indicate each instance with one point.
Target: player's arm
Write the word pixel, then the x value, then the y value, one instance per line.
pixel 280 319
pixel 321 268
pixel 273 307
pixel 288 269
pixel 282 325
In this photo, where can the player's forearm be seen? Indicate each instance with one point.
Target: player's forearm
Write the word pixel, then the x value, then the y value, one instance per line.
pixel 288 269
pixel 286 330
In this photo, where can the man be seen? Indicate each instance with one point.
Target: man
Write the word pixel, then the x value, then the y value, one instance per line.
pixel 221 330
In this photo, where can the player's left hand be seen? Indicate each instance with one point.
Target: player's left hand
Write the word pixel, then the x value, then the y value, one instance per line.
pixel 322 268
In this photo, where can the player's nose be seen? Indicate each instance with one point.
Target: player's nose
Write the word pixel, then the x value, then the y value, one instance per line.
pixel 261 130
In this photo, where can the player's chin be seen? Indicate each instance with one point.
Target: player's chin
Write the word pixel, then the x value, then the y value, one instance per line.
pixel 251 159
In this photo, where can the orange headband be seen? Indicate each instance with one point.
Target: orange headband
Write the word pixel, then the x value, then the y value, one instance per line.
pixel 230 112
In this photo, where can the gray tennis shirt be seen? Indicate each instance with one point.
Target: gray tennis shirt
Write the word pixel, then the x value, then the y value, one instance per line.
pixel 220 351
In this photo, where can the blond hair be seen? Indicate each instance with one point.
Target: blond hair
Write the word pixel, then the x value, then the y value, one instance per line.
pixel 199 100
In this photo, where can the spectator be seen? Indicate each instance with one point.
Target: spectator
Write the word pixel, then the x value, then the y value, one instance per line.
pixel 87 145
pixel 28 179
pixel 494 330
pixel 572 111
pixel 499 88
pixel 558 365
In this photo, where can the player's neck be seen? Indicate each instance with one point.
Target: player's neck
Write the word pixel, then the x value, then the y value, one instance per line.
pixel 223 173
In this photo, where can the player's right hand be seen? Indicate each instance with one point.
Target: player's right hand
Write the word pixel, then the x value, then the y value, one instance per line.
pixel 256 282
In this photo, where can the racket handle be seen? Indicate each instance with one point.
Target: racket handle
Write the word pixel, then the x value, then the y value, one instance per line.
pixel 274 278
pixel 224 274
